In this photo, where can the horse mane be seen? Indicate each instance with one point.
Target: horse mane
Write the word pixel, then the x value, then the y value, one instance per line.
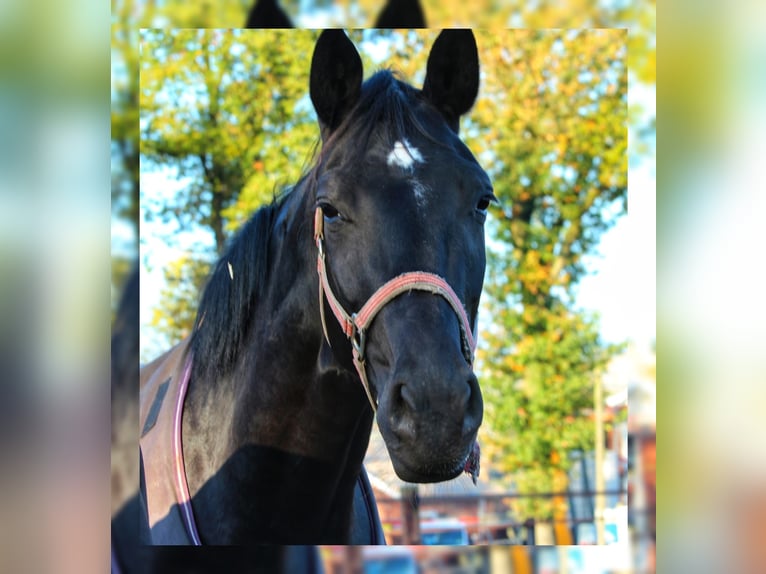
pixel 229 298
pixel 386 110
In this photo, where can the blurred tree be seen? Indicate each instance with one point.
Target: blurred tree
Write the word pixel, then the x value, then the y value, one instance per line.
pixel 124 142
pixel 184 278
pixel 551 128
pixel 124 116
pixel 121 267
pixel 639 18
pixel 227 112
pixel 205 14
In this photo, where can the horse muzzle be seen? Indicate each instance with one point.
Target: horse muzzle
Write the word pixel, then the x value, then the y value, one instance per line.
pixel 429 421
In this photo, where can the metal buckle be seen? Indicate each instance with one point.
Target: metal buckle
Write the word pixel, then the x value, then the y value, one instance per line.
pixel 358 339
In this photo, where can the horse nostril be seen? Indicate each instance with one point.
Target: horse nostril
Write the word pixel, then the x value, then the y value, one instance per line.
pixel 401 414
pixel 403 399
pixel 460 397
pixel 473 405
pixel 396 401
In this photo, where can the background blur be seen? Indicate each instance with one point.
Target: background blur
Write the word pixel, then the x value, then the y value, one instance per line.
pixel 54 265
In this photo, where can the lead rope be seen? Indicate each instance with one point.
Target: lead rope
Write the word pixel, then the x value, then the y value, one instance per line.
pixel 355 326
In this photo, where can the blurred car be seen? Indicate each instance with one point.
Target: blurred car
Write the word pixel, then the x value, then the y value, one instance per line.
pixel 389 560
pixel 443 532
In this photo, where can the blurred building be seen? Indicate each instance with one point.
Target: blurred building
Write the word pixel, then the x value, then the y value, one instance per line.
pixel 637 368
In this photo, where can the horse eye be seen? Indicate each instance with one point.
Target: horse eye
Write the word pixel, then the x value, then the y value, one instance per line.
pixel 330 213
pixel 484 202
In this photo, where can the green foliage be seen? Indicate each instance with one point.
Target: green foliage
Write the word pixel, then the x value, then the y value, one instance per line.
pixel 184 279
pixel 226 110
pixel 124 116
pixel 551 127
pixel 553 118
pixel 538 387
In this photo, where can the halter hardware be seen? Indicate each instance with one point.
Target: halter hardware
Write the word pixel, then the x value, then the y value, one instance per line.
pixel 358 338
pixel 355 325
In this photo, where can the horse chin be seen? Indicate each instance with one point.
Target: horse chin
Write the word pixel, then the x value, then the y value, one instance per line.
pixel 408 475
pixel 410 471
pixel 421 458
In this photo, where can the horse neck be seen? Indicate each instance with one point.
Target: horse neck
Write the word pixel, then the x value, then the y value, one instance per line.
pixel 288 424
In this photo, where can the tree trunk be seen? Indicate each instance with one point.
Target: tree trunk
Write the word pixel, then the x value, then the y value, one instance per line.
pixel 216 219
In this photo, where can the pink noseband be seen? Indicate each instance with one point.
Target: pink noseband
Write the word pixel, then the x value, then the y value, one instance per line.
pixel 355 325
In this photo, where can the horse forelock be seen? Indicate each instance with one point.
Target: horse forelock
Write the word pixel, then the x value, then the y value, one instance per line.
pixel 388 110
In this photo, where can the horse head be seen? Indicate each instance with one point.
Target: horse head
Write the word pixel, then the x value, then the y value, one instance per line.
pixel 400 204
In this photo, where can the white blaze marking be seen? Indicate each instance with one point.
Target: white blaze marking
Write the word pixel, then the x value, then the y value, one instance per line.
pixel 404 155
pixel 231 271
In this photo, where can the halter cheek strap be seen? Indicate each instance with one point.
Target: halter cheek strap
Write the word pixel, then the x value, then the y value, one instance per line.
pixel 355 325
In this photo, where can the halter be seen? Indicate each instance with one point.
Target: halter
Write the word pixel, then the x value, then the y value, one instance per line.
pixel 355 325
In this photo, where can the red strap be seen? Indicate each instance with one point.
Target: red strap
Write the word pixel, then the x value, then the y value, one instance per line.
pixel 415 280
pixel 344 319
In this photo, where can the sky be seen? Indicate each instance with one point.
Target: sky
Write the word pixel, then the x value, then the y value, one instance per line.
pixel 622 285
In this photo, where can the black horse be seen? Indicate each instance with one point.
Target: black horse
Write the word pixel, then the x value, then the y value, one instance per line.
pixel 352 296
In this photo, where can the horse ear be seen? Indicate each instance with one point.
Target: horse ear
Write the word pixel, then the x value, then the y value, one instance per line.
pixel 452 75
pixel 401 14
pixel 268 14
pixel 336 79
